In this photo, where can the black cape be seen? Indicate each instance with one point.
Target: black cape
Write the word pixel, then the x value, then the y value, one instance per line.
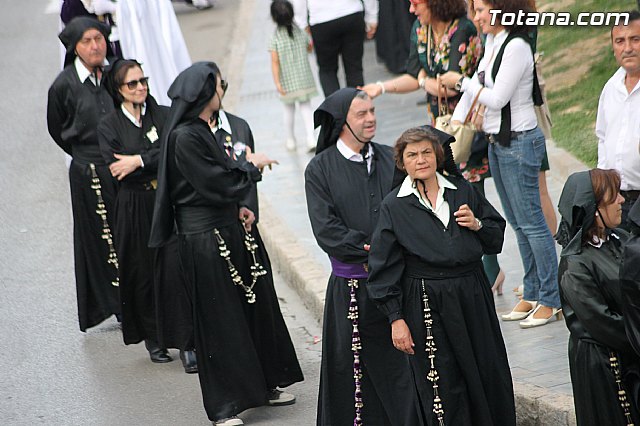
pixel 412 250
pixel 592 304
pixel 343 218
pixel 392 36
pixel 244 349
pixel 74 109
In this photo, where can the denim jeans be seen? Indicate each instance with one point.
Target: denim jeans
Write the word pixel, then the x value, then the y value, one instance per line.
pixel 515 172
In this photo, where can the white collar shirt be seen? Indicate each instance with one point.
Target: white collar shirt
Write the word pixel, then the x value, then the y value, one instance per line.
pixel 351 155
pixel 513 85
pixel 441 209
pixel 312 12
pixel 84 73
pixel 223 122
pixel 618 130
pixel 131 118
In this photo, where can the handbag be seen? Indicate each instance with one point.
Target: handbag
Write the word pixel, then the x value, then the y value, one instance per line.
pixel 543 114
pixel 464 133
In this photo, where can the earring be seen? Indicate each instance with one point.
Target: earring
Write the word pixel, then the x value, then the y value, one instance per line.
pixel 597 214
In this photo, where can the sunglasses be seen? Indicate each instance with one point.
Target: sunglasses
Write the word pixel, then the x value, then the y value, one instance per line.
pixel 133 84
pixel 225 85
pixel 481 77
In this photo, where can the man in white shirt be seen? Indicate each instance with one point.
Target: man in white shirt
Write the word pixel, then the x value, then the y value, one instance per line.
pixel 618 121
pixel 338 28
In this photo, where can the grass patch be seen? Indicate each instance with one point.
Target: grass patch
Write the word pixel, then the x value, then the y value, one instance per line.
pixel 574 107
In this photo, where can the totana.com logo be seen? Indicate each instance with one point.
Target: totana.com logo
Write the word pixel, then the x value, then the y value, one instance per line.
pixel 560 19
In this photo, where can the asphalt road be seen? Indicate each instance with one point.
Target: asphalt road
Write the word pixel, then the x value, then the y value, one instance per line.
pixel 50 372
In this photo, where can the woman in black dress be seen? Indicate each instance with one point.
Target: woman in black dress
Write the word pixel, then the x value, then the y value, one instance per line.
pixel 129 142
pixel 602 362
pixel 244 349
pixel 426 275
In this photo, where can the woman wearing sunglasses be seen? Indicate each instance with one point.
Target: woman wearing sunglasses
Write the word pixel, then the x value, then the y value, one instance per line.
pixel 129 142
pixel 516 151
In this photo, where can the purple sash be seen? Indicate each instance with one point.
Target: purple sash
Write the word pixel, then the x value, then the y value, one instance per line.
pixel 348 270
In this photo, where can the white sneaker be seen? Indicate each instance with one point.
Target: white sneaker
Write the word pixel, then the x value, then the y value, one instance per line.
pixel 229 421
pixel 290 144
pixel 277 397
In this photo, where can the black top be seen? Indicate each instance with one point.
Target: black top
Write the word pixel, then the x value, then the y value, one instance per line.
pixel 241 133
pixel 406 229
pixel 343 200
pixel 74 110
pixel 203 178
pixel 118 135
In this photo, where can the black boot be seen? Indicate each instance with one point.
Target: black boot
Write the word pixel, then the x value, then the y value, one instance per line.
pixel 156 353
pixel 189 361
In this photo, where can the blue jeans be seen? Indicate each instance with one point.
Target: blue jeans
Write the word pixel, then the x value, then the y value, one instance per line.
pixel 515 172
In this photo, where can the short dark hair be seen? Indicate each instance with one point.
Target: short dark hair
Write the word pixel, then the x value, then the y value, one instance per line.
pixel 634 15
pixel 447 10
pixel 606 186
pixel 415 135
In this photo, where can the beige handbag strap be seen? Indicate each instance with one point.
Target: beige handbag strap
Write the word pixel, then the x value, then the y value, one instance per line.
pixel 473 105
pixel 442 110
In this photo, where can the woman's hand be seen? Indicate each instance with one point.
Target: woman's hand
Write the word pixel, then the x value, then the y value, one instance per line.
pixel 465 217
pixel 450 78
pixel 125 165
pixel 372 89
pixel 260 160
pixel 401 336
pixel 247 218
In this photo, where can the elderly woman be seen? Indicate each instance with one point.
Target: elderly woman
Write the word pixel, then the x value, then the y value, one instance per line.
pixel 244 349
pixel 602 362
pixel 506 85
pixel 426 276
pixel 128 139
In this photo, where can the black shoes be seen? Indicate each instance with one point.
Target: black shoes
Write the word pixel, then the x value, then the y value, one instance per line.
pixel 156 353
pixel 189 361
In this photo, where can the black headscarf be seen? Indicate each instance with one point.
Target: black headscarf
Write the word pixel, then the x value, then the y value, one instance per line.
pixel 577 206
pixel 634 217
pixel 190 92
pixel 331 116
pixel 72 34
pixel 110 84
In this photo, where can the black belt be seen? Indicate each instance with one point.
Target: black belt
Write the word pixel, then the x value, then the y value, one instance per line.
pixel 140 186
pixel 417 268
pixel 630 195
pixel 493 137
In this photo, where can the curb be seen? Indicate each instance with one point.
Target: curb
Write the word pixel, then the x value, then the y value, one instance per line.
pixel 535 405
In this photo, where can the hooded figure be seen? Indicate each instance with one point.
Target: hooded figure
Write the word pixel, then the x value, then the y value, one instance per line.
pixel 426 276
pixel 243 347
pixel 602 362
pixel 77 101
pixel 630 285
pixel 73 32
pixel 344 190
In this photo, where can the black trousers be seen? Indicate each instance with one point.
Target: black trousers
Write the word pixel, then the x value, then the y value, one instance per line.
pixel 341 37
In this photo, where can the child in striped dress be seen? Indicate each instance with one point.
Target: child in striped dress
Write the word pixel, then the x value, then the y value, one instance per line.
pixel 292 75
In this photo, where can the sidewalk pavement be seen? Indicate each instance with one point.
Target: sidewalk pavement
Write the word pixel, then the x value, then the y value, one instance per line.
pixel 538 357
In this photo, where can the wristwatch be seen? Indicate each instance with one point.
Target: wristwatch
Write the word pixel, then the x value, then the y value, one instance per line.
pixel 458 85
pixel 479 223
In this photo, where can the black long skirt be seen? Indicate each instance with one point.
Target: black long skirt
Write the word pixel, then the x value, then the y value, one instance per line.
pixel 475 381
pixel 243 349
pixel 95 277
pixel 174 310
pixel 134 212
pixel 387 388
